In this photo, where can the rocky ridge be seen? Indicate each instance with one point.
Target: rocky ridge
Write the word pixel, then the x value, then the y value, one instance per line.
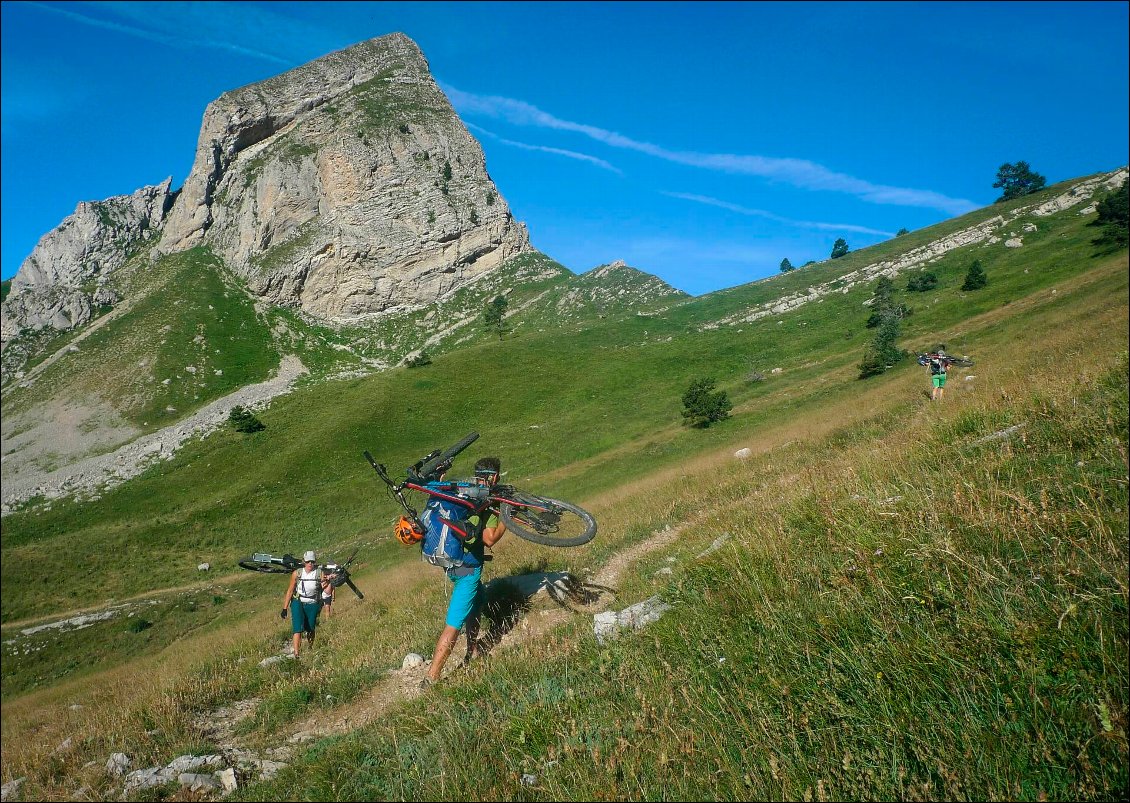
pixel 987 232
pixel 69 272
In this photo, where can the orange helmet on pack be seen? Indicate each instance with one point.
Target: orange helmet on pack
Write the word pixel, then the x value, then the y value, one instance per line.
pixel 407 533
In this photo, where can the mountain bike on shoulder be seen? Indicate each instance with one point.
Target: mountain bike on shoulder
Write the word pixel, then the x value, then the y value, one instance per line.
pixel 539 519
pixel 944 360
pixel 336 573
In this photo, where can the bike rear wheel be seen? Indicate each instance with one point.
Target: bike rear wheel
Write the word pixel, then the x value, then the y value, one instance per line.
pixel 546 521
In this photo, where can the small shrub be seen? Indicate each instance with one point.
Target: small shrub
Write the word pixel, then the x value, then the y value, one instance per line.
pixel 420 360
pixel 139 624
pixel 922 282
pixel 703 406
pixel 242 420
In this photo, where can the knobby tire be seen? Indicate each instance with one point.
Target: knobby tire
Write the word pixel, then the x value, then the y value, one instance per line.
pixel 528 522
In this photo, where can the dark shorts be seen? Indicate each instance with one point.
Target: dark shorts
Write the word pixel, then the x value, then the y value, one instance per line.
pixel 304 616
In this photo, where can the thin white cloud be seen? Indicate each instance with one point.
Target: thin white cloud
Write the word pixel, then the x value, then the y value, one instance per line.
pixel 584 157
pixel 798 172
pixel 177 35
pixel 808 224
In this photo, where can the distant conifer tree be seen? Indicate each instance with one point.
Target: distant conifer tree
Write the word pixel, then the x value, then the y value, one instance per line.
pixel 495 315
pixel 839 248
pixel 883 352
pixel 786 266
pixel 975 279
pixel 1114 217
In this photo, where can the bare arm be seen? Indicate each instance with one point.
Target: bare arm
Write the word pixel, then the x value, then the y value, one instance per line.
pixel 491 535
pixel 290 590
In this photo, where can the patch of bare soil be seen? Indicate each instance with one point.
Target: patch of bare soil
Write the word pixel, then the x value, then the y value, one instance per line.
pixel 106 469
pixel 58 433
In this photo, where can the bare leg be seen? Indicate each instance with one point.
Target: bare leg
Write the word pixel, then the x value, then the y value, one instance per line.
pixel 471 628
pixel 444 645
pixel 297 641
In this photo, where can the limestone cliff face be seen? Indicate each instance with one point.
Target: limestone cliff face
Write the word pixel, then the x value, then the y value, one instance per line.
pixel 64 277
pixel 347 186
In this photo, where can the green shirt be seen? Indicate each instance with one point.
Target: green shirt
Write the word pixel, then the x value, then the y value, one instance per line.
pixel 474 544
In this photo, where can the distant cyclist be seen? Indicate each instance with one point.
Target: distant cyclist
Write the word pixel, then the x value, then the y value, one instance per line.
pixel 938 362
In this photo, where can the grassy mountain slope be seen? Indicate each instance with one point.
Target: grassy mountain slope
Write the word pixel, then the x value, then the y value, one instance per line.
pixel 576 406
pixel 904 610
pixel 854 604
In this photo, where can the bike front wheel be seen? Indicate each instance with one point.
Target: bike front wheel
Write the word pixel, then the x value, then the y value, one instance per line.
pixel 546 521
pixel 261 562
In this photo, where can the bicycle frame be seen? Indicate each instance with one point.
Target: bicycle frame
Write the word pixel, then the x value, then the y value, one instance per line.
pixel 336 573
pixel 535 518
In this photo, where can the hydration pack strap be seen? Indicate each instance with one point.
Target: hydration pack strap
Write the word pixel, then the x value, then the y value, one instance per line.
pixel 461 534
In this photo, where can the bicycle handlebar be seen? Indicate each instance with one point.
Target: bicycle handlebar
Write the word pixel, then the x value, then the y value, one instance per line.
pixel 434 461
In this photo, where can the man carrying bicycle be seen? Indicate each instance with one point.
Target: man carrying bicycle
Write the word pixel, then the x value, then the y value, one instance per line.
pixel 938 363
pixel 465 606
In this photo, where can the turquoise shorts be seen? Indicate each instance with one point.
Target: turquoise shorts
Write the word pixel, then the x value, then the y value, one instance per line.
pixel 939 380
pixel 304 616
pixel 466 596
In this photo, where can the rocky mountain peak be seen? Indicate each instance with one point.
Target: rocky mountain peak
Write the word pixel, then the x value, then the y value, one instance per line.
pixel 347 186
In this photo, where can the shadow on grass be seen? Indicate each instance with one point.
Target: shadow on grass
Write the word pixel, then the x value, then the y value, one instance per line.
pixel 507 599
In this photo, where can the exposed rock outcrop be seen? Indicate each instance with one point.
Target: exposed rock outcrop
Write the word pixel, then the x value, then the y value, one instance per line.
pixel 63 280
pixel 986 232
pixel 347 186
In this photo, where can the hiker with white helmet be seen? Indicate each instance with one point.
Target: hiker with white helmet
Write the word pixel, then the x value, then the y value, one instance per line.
pixel 303 599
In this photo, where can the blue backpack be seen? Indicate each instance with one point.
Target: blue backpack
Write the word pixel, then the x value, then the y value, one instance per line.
pixel 447 525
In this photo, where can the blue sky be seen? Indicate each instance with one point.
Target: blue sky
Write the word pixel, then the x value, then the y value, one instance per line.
pixel 702 142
